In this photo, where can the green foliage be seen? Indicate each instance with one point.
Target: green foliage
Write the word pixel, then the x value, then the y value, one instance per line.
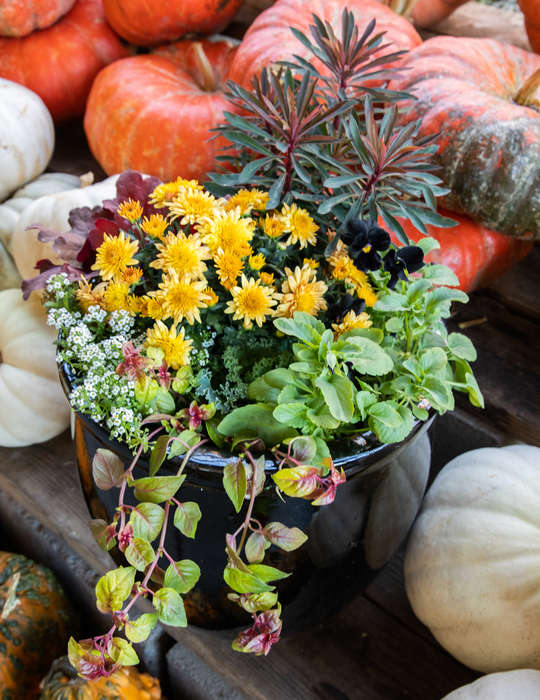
pixel 301 136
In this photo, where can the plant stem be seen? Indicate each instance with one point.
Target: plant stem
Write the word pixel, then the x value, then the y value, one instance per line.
pixel 251 503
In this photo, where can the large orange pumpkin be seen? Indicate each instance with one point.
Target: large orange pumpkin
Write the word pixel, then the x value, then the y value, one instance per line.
pixel 21 17
pixel 531 10
pixel 34 625
pixel 477 255
pixel 60 63
pixel 269 39
pixel 483 99
pixel 149 23
pixel 62 683
pixel 154 113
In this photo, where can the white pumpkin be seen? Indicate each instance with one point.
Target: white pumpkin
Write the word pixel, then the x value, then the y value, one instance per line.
pixel 472 568
pixel 33 407
pixel 52 212
pixel 9 277
pixel 48 183
pixel 26 136
pixel 512 685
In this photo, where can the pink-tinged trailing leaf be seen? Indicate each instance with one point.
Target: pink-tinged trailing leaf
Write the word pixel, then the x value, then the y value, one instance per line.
pixel 125 538
pixel 255 546
pixel 299 482
pixel 260 637
pixel 133 364
pixel 107 469
pixel 122 653
pixel 139 552
pixel 235 483
pixel 158 454
pixel 254 602
pixel 156 489
pixel 182 575
pixel 287 538
pixel 256 473
pixel 88 660
pixel 244 581
pixel 186 517
pixel 331 483
pixel 304 448
pixel 103 533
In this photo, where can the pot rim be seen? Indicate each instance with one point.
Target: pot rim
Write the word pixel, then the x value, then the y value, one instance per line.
pixel 212 460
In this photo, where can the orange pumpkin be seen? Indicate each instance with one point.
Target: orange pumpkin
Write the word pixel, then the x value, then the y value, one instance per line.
pixel 531 10
pixel 60 63
pixel 269 39
pixel 62 683
pixel 424 13
pixel 477 255
pixel 21 17
pixel 154 113
pixel 149 23
pixel 481 100
pixel 34 624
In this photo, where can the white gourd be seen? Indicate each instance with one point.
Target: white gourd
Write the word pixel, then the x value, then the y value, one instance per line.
pixel 472 568
pixel 9 277
pixel 26 136
pixel 33 407
pixel 52 212
pixel 48 183
pixel 523 684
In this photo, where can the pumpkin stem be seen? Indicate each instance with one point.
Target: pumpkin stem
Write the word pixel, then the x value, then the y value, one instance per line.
pixel 401 7
pixel 208 76
pixel 529 93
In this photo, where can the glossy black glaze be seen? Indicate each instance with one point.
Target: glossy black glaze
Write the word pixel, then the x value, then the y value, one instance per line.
pixel 336 563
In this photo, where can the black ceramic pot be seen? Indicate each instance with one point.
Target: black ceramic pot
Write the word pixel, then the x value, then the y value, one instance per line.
pixel 349 540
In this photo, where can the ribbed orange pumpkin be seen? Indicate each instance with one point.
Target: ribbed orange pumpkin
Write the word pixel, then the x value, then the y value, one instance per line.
pixel 21 17
pixel 474 93
pixel 149 23
pixel 154 113
pixel 60 63
pixel 531 10
pixel 477 255
pixel 62 683
pixel 34 625
pixel 269 39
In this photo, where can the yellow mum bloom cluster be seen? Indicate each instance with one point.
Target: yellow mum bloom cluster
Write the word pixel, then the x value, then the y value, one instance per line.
pixel 186 251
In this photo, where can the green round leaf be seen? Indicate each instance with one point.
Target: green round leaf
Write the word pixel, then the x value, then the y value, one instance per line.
pixel 182 575
pixel 147 520
pixel 169 607
pixel 139 553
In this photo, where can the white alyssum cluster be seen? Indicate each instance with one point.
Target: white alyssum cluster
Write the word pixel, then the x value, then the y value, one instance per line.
pixel 121 322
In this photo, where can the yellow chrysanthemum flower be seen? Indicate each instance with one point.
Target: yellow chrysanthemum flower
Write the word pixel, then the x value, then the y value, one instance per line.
pixel 88 296
pixel 364 290
pixel 251 302
pixel 267 277
pixel 115 297
pixel 184 254
pixel 114 255
pixel 229 231
pixel 131 210
pixel 135 305
pixel 212 296
pixel 176 347
pixel 151 307
pixel 273 225
pixel 257 262
pixel 193 206
pixel 247 200
pixel 300 226
pixel 131 275
pixel 301 292
pixel 229 267
pixel 154 226
pixel 313 264
pixel 182 298
pixel 166 192
pixel 350 321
